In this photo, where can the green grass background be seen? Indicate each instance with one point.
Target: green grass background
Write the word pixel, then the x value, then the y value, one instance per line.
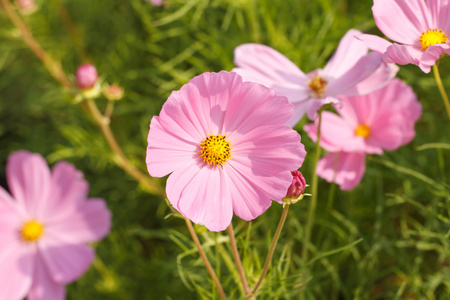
pixel 386 239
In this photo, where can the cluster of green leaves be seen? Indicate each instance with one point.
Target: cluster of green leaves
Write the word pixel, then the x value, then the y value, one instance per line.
pixel 387 239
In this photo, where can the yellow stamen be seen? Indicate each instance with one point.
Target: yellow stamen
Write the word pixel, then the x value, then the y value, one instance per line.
pixel 432 37
pixel 362 130
pixel 215 149
pixel 317 85
pixel 32 231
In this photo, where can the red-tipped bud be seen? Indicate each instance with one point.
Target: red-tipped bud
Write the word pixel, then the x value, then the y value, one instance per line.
pixel 296 190
pixel 86 76
pixel 113 92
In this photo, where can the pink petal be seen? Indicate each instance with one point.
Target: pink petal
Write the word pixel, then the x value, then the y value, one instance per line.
pixel 403 54
pixel 374 82
pixel 44 287
pixel 68 189
pixel 262 64
pixel 399 20
pixel 65 262
pixel 166 152
pixel 441 8
pixel 365 67
pixel 28 178
pixel 201 194
pixel 16 270
pixel 89 223
pixel 344 168
pixel 431 55
pixel 374 42
pixel 349 51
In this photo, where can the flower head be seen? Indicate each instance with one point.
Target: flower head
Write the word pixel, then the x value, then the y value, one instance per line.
pixel 421 29
pixel 45 225
pixel 86 76
pixel 351 71
pixel 296 190
pixel 369 124
pixel 225 145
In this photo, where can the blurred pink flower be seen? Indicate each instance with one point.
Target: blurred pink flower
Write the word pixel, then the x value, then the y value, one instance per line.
pixel 421 27
pixel 156 2
pixel 226 146
pixel 44 227
pixel 86 76
pixel 351 71
pixel 382 120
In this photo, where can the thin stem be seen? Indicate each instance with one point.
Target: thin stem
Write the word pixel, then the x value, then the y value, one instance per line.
pixel 237 260
pixel 52 66
pixel 122 160
pixel 272 248
pixel 205 259
pixel 440 86
pixel 314 190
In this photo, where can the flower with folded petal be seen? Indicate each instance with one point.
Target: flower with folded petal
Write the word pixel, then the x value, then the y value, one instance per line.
pixel 351 71
pixel 44 226
pixel 226 146
pixel 369 124
pixel 422 29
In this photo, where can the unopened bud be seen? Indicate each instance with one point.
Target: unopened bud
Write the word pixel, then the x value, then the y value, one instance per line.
pixel 113 92
pixel 156 2
pixel 296 190
pixel 86 76
pixel 26 6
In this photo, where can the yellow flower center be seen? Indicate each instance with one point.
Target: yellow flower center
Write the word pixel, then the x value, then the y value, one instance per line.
pixel 362 130
pixel 215 149
pixel 317 85
pixel 432 37
pixel 32 231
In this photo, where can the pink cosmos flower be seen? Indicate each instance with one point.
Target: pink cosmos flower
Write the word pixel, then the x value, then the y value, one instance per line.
pixel 369 124
pixel 44 227
pixel 351 71
pixel 420 27
pixel 226 146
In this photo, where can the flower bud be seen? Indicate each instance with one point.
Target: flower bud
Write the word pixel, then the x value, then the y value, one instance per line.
pixel 26 6
pixel 113 92
pixel 296 190
pixel 156 2
pixel 86 76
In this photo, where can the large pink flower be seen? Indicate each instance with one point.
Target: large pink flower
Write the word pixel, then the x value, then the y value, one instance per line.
pixel 382 120
pixel 44 228
pixel 226 146
pixel 351 71
pixel 422 29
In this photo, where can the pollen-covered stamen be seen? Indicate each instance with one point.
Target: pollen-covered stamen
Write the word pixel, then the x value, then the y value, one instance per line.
pixel 32 231
pixel 362 130
pixel 215 149
pixel 432 37
pixel 317 85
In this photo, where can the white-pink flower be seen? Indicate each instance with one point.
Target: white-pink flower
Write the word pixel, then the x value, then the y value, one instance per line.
pixel 422 29
pixel 369 124
pixel 351 71
pixel 226 146
pixel 45 225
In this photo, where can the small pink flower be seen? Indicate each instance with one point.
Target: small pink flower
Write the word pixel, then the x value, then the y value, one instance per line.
pixel 382 120
pixel 86 76
pixel 44 228
pixel 225 145
pixel 422 29
pixel 156 2
pixel 296 189
pixel 351 71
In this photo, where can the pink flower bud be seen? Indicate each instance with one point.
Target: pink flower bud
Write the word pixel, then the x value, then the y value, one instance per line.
pixel 26 6
pixel 113 92
pixel 86 76
pixel 296 190
pixel 156 2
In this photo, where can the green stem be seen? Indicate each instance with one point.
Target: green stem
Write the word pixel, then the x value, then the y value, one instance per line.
pixel 272 248
pixel 237 260
pixel 205 259
pixel 314 190
pixel 440 86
